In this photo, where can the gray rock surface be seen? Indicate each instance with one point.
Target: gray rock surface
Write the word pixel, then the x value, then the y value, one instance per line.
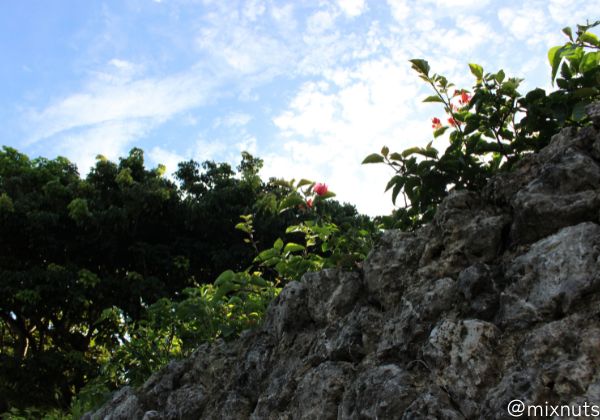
pixel 498 299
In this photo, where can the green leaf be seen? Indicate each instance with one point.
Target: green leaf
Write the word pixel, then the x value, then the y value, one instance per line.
pixel 562 83
pixel 487 147
pixel 396 156
pixel 385 151
pixel 579 111
pixel 585 92
pixel 258 281
pixel 421 66
pixel 410 151
pixel 328 194
pixel 476 70
pixel 396 191
pixel 293 228
pixel 225 277
pixel 565 71
pixel 433 98
pixel 267 254
pixel 373 158
pixel 395 180
pixel 589 62
pixel 278 244
pixel 292 247
pixel 567 31
pixel 500 76
pixel 291 200
pixel 243 227
pixel 440 131
pixel 429 152
pixel 303 182
pixel 590 38
pixel 555 57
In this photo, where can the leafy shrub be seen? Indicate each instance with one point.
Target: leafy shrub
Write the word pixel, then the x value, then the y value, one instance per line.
pixel 236 300
pixel 491 126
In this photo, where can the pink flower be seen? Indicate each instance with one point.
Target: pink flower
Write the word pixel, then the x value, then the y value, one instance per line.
pixel 436 123
pixel 320 189
pixel 453 122
pixel 464 98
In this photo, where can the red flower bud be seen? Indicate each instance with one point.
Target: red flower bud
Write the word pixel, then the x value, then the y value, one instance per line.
pixel 320 189
pixel 436 123
pixel 309 203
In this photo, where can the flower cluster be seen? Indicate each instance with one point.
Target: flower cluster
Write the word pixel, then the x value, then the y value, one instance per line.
pixel 463 100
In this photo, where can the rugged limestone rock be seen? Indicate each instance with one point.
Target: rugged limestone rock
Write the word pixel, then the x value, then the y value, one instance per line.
pixel 498 299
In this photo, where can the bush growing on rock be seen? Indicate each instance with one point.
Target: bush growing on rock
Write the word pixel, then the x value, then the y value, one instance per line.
pixel 492 126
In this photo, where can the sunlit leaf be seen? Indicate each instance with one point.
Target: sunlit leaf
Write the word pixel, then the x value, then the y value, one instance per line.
pixel 476 70
pixel 590 38
pixel 440 131
pixel 373 158
pixel 433 98
pixel 292 247
pixel 278 244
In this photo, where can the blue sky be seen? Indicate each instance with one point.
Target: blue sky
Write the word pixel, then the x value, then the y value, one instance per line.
pixel 310 86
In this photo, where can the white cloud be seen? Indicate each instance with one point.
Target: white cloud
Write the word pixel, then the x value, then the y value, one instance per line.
pixel 399 8
pixel 284 17
pixel 328 130
pixel 110 139
pixel 528 23
pixel 352 8
pixel 461 4
pixel 254 9
pixel 320 21
pixel 236 119
pixel 152 99
pixel 248 144
pixel 567 13
pixel 309 112
pixel 246 48
pixel 469 33
pixel 121 64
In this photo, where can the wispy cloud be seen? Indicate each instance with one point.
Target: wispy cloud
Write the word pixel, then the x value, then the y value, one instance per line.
pixel 109 138
pixel 328 129
pixel 151 99
pixel 236 119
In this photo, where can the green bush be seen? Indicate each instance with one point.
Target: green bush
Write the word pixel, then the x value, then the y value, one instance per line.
pixel 491 126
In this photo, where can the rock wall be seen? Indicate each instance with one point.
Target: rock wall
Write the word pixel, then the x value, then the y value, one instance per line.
pixel 497 299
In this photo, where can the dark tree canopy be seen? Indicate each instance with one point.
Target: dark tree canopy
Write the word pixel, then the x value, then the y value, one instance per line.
pixel 122 237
